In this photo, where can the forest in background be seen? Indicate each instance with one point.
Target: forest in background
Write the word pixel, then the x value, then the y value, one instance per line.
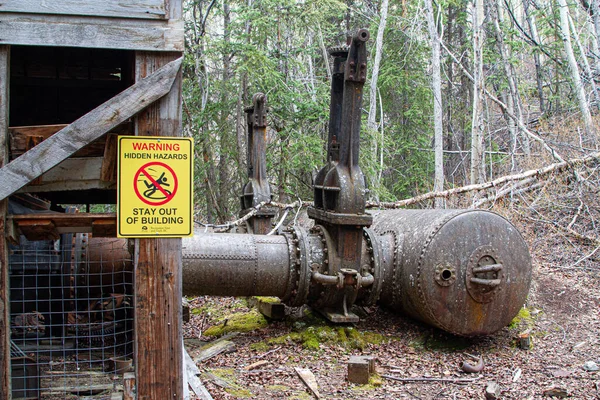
pixel 458 93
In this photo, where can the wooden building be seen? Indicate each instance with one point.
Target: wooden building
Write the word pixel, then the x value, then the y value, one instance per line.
pixel 74 74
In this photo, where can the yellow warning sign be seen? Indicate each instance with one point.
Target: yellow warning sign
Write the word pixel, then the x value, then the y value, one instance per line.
pixel 154 187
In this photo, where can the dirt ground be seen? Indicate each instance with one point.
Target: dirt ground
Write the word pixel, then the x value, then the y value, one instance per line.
pixel 562 315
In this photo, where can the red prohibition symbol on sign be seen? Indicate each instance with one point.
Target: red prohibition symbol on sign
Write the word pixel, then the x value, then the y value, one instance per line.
pixel 158 183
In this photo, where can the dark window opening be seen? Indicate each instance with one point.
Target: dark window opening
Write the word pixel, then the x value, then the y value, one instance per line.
pixel 57 85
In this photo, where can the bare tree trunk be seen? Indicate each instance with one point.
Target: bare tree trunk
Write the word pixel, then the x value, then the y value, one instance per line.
pixel 224 139
pixel 574 69
pixel 586 64
pixel 436 85
pixel 595 9
pixel 536 56
pixel 477 127
pixel 241 124
pixel 371 122
pixel 514 99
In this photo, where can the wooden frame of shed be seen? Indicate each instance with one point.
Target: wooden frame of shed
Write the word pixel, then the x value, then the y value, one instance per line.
pixel 146 37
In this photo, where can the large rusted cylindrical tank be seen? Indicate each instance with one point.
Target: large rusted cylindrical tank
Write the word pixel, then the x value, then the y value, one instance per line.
pixel 465 271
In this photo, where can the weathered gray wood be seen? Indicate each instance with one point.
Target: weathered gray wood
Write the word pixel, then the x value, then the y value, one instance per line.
pixel 129 386
pixel 309 380
pixel 214 349
pixel 192 373
pixel 86 129
pixel 73 174
pixel 145 9
pixel 74 31
pixel 5 385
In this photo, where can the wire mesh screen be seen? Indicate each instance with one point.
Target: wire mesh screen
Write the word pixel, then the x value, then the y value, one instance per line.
pixel 71 322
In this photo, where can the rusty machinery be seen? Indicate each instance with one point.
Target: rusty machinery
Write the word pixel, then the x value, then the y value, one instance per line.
pixel 257 190
pixel 465 271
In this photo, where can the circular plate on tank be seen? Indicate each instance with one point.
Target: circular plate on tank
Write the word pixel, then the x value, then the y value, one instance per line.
pixel 457 289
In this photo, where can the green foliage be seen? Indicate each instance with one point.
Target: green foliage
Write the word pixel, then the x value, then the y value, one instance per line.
pixel 276 47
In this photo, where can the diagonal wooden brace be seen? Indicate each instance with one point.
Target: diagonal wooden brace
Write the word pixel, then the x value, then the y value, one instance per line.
pixel 86 129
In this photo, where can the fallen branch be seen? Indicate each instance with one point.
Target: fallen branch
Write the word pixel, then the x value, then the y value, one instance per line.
pixel 267 353
pixel 513 190
pixel 556 167
pixel 447 380
pixel 253 212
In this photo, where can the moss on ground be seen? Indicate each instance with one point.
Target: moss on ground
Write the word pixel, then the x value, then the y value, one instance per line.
pixel 375 381
pixel 312 337
pixel 523 317
pixel 277 388
pixel 301 396
pixel 240 393
pixel 239 322
pixel 259 346
pixel 228 376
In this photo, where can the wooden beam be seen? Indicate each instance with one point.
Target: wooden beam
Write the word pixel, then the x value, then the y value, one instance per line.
pixel 158 323
pixel 21 136
pixel 144 9
pixel 73 174
pixel 86 129
pixel 47 226
pixel 90 32
pixel 5 384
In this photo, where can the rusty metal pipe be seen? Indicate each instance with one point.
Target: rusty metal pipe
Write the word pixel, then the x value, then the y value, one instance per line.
pixel 236 265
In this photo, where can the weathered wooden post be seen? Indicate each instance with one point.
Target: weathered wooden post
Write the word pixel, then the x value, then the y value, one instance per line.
pixel 4 308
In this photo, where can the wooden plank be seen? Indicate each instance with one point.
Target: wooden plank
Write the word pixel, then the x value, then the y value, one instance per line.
pixel 5 384
pixel 144 9
pixel 108 171
pixel 89 32
pixel 214 349
pixel 192 373
pixel 73 174
pixel 129 386
pixel 20 138
pixel 88 128
pixel 39 229
pixel 158 325
pixel 31 225
pixel 104 228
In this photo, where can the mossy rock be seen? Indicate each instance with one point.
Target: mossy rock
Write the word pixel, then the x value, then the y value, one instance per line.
pixel 268 300
pixel 239 322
